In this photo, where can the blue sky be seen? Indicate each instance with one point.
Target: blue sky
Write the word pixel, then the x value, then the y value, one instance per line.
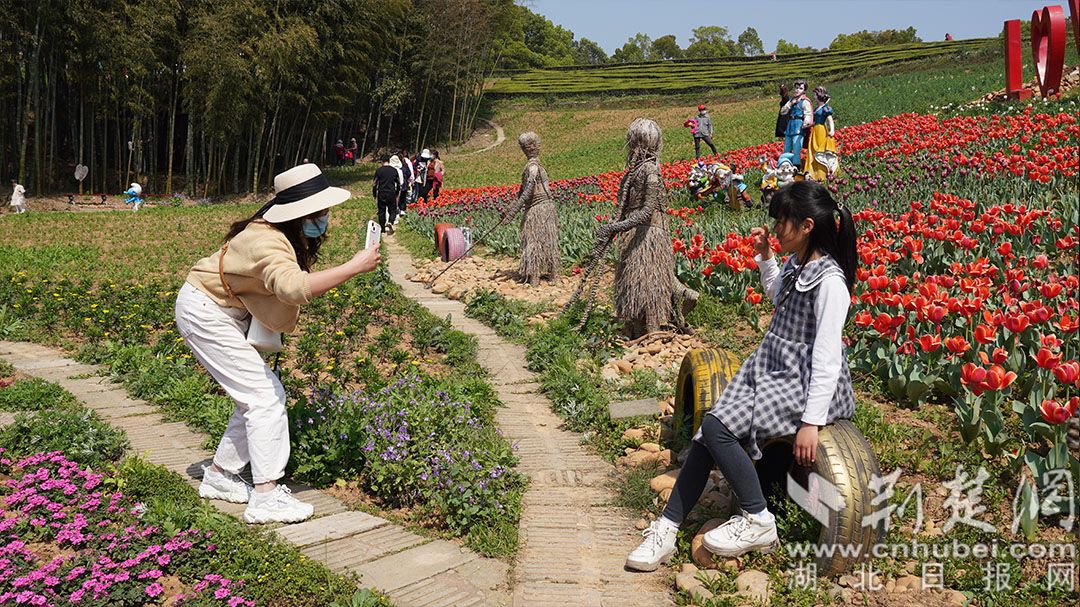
pixel 804 22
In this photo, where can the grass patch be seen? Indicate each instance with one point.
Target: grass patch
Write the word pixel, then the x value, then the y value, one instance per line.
pixel 632 489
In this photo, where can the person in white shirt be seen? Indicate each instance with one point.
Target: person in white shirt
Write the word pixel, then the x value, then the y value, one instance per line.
pixel 796 381
pixel 18 197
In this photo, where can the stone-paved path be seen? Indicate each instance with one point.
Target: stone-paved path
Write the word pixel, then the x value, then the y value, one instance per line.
pixel 573 542
pixel 415 571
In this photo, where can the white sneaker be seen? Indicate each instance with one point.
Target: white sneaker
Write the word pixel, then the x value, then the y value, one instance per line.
pixel 658 547
pixel 277 506
pixel 743 533
pixel 223 486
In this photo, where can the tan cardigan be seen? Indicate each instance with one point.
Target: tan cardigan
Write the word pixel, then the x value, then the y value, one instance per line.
pixel 260 267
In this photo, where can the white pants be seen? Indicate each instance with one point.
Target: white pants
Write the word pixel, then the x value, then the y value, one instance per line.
pixel 258 432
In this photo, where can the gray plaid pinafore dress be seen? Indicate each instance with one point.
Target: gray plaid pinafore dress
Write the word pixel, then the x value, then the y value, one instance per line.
pixel 767 396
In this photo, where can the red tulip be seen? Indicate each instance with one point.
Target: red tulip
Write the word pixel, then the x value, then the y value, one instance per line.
pixel 864 319
pixel 1040 261
pixel 1050 290
pixel 930 343
pixel 1047 359
pixel 1005 248
pixel 1016 323
pixel 752 296
pixel 1050 341
pixel 957 344
pixel 985 334
pixel 1067 372
pixel 707 271
pixel 997 378
pixel 973 376
pixel 1054 413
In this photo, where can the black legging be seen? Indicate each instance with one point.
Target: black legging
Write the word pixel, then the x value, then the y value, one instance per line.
pixel 722 449
pixel 697 145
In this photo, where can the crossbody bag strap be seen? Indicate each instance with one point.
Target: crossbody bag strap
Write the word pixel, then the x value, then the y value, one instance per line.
pixel 221 271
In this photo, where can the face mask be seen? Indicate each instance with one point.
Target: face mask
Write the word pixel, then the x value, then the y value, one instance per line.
pixel 314 228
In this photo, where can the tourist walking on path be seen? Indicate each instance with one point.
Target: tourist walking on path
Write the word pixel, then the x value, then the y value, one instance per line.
pixel 436 170
pixel 406 184
pixel 18 197
pixel 703 131
pixel 262 274
pixel 354 149
pixel 385 190
pixel 796 381
pixel 421 166
pixel 395 161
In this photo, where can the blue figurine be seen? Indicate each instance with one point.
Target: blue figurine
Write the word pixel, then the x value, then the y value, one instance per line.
pixel 134 196
pixel 799 110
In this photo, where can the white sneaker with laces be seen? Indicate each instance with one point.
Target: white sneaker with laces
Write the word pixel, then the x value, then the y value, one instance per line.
pixel 743 533
pixel 277 506
pixel 658 547
pixel 224 486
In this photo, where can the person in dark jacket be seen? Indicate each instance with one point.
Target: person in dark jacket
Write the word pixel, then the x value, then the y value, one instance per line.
pixel 782 119
pixel 385 190
pixel 703 131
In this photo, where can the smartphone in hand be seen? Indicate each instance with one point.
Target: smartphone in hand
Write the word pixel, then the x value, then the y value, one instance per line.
pixel 374 235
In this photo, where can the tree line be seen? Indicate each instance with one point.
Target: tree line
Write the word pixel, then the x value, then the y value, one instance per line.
pixel 210 97
pixel 539 43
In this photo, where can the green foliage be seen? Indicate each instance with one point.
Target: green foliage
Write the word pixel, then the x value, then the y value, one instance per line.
pixel 783 47
pixel 80 434
pixel 419 443
pixel 635 50
pixel 35 394
pixel 507 316
pixel 274 571
pixel 587 52
pixel 362 598
pixel 709 69
pixel 664 48
pixel 710 42
pixel 632 490
pixel 869 39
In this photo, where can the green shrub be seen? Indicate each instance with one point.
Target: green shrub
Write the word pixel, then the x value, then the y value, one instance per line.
pixel 508 317
pixel 35 395
pixel 78 433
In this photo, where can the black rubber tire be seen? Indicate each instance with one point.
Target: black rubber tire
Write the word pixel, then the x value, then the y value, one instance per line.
pixel 844 458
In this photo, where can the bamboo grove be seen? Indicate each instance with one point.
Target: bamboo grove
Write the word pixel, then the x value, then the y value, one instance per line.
pixel 212 97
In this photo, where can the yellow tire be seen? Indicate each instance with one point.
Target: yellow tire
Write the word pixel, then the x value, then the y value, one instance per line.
pixel 844 458
pixel 702 378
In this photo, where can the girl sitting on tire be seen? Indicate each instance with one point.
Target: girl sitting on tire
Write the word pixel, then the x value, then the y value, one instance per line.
pixel 796 381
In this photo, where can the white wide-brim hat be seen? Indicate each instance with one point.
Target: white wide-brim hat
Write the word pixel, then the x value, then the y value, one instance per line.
pixel 300 191
pixel 425 154
pixel 395 162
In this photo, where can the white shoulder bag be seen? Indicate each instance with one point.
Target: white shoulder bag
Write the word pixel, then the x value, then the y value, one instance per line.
pixel 258 335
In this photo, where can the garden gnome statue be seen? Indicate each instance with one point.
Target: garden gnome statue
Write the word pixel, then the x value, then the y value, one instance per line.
pixel 540 224
pixel 647 293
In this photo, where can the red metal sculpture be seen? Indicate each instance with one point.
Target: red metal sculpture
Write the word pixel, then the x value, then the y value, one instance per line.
pixel 1014 62
pixel 1048 48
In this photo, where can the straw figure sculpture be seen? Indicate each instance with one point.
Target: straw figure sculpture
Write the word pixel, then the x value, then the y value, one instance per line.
pixel 647 293
pixel 539 224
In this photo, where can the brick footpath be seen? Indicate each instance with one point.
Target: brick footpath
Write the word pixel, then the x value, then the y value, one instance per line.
pixel 573 541
pixel 413 570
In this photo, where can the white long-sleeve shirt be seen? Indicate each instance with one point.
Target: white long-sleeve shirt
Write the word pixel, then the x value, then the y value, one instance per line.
pixel 830 311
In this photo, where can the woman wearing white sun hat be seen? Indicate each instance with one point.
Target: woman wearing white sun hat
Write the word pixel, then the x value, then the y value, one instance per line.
pixel 263 271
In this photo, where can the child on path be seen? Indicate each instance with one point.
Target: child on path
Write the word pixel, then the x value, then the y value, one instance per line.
pixel 18 197
pixel 796 381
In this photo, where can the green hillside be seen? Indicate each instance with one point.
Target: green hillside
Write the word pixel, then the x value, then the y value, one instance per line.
pixel 718 74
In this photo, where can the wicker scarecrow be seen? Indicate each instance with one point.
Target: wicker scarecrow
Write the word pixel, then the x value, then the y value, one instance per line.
pixel 647 293
pixel 540 223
